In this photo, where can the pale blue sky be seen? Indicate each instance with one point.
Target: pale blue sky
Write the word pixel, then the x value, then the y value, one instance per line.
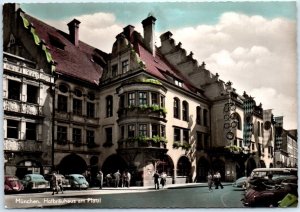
pixel 176 14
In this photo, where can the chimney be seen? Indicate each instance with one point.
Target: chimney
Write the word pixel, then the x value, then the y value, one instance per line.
pixel 74 31
pixel 128 32
pixel 148 25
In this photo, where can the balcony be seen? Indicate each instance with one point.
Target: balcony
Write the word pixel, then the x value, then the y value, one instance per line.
pixel 76 118
pixel 153 111
pixel 26 71
pixel 22 107
pixel 22 146
pixel 143 142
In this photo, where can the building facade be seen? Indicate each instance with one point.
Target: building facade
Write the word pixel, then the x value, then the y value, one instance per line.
pixel 140 108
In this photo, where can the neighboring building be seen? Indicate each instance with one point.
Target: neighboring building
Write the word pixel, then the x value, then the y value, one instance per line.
pixel 27 100
pixel 140 108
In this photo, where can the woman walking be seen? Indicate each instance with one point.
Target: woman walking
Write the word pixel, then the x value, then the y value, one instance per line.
pixel 210 181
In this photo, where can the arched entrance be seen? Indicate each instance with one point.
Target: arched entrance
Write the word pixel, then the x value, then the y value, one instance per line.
pixel 271 165
pixel 202 169
pixel 166 165
pixel 219 165
pixel 250 166
pixel 114 163
pixel 184 167
pixel 28 167
pixel 72 164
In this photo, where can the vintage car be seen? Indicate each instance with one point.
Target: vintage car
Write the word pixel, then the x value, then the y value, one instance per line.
pixel 35 182
pixel 12 184
pixel 77 181
pixel 240 183
pixel 262 194
pixel 65 182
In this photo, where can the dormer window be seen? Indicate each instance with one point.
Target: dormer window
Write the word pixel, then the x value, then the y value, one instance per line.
pixel 125 66
pixel 114 70
pixel 178 83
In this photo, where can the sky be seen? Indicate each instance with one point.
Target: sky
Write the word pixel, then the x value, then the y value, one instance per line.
pixel 251 44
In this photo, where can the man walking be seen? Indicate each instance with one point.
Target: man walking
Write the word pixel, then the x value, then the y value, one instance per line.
pixel 117 176
pixel 210 181
pixel 54 183
pixel 217 178
pixel 100 178
pixel 156 182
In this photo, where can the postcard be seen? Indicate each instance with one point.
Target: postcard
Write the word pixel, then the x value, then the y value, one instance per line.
pixel 150 104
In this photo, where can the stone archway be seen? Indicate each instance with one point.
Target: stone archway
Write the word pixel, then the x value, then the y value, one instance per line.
pixel 72 164
pixel 184 170
pixel 28 167
pixel 203 167
pixel 166 165
pixel 251 164
pixel 114 163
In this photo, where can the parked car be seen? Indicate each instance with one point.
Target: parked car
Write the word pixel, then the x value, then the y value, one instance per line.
pixel 77 181
pixel 12 184
pixel 260 194
pixel 65 182
pixel 240 183
pixel 35 182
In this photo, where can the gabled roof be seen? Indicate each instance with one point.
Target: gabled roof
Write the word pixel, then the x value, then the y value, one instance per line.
pixel 83 62
pixel 158 66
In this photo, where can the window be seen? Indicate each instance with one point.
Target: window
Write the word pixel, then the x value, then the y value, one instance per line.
pixel 131 99
pixel 14 90
pixel 178 83
pixel 78 93
pixel 90 137
pixel 122 101
pixel 199 141
pixel 131 131
pixel 122 132
pixel 239 124
pixel 186 138
pixel 177 135
pixel 142 98
pixel 61 134
pixel 114 70
pixel 162 101
pixel 62 103
pixel 205 117
pixel 109 106
pixel 108 132
pixel 198 115
pixel 30 131
pixel 162 130
pixel 125 66
pixel 252 146
pixel 91 96
pixel 77 106
pixel 206 141
pixel 262 129
pixel 76 135
pixel 185 111
pixel 12 129
pixel 32 94
pixel 90 110
pixel 154 99
pixel 258 129
pixel 155 128
pixel 63 88
pixel 143 130
pixel 176 108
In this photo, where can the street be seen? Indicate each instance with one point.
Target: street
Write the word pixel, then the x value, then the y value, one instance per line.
pixel 195 197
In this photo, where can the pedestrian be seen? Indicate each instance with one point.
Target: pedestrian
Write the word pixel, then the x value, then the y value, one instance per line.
pixel 163 179
pixel 156 182
pixel 100 178
pixel 117 176
pixel 60 183
pixel 217 179
pixel 108 179
pixel 210 181
pixel 54 183
pixel 128 178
